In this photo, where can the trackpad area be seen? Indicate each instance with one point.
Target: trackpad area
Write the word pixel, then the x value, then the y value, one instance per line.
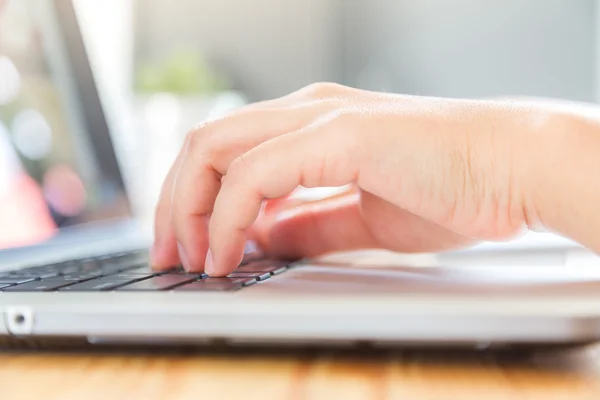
pixel 324 278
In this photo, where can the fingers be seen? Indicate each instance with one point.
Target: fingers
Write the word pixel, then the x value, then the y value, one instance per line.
pixel 186 201
pixel 308 229
pixel 190 220
pixel 324 154
pixel 164 252
pixel 210 151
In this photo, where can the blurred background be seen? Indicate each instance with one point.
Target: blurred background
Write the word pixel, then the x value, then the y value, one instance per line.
pixel 164 66
pixel 180 61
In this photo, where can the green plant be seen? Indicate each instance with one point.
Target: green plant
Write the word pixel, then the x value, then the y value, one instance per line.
pixel 184 72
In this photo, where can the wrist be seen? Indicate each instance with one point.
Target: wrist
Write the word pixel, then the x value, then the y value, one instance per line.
pixel 561 168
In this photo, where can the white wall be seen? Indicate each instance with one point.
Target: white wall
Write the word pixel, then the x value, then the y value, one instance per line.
pixel 451 48
pixel 270 47
pixel 473 48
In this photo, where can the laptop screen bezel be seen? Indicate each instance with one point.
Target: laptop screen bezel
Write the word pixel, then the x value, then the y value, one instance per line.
pixel 90 104
pixel 92 116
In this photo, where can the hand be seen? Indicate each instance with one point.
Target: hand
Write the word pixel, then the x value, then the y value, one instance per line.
pixel 428 174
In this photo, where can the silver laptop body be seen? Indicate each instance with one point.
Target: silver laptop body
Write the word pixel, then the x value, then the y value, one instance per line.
pixel 545 291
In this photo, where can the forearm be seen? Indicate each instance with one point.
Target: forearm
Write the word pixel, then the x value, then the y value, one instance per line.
pixel 563 169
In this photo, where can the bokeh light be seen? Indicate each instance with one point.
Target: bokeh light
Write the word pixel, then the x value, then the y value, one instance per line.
pixel 10 80
pixel 16 28
pixel 64 190
pixel 9 163
pixel 32 134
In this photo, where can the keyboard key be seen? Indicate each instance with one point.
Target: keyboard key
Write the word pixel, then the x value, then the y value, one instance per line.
pixel 138 277
pixel 134 259
pixel 104 283
pixel 46 275
pixel 142 271
pixel 108 268
pixel 38 286
pixel 70 270
pixel 273 267
pixel 161 282
pixel 89 266
pixel 122 264
pixel 85 269
pixel 95 273
pixel 123 268
pixel 222 284
pixel 22 274
pixel 79 277
pixel 261 276
pixel 37 270
pixel 14 279
pixel 196 275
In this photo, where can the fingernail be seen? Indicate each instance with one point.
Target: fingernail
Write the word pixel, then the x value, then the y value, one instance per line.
pixel 208 264
pixel 183 258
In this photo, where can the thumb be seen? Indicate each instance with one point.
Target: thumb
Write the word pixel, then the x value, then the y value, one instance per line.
pixel 292 228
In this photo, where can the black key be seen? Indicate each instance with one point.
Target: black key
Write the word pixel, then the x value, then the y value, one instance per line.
pixel 280 270
pixel 14 280
pixel 46 275
pixel 135 259
pixel 38 286
pixel 104 283
pixel 32 271
pixel 142 271
pixel 108 271
pixel 89 266
pixel 96 273
pixel 118 267
pixel 199 275
pixel 22 274
pixel 263 266
pixel 136 277
pixel 222 284
pixel 24 271
pixel 79 277
pixel 72 269
pixel 261 276
pixel 161 282
pixel 86 274
pixel 196 275
pixel 180 271
pixel 111 264
pixel 122 263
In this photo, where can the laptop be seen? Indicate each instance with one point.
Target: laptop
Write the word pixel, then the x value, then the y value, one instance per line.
pixel 74 263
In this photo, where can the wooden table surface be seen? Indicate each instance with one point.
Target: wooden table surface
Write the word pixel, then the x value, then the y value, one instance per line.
pixel 564 374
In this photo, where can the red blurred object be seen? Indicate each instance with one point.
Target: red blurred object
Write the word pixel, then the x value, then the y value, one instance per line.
pixel 24 216
pixel 64 190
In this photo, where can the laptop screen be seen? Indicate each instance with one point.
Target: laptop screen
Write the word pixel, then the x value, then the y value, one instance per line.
pixel 51 174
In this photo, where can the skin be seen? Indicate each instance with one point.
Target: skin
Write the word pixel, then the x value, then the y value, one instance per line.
pixel 424 174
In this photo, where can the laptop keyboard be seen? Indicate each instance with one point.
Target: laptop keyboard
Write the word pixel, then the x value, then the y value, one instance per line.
pixel 130 272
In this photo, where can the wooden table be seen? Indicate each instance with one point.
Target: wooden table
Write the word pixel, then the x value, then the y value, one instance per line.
pixel 564 374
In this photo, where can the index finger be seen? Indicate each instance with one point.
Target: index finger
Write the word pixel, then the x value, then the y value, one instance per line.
pixel 322 155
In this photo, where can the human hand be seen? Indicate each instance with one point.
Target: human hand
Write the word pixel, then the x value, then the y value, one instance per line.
pixel 428 174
